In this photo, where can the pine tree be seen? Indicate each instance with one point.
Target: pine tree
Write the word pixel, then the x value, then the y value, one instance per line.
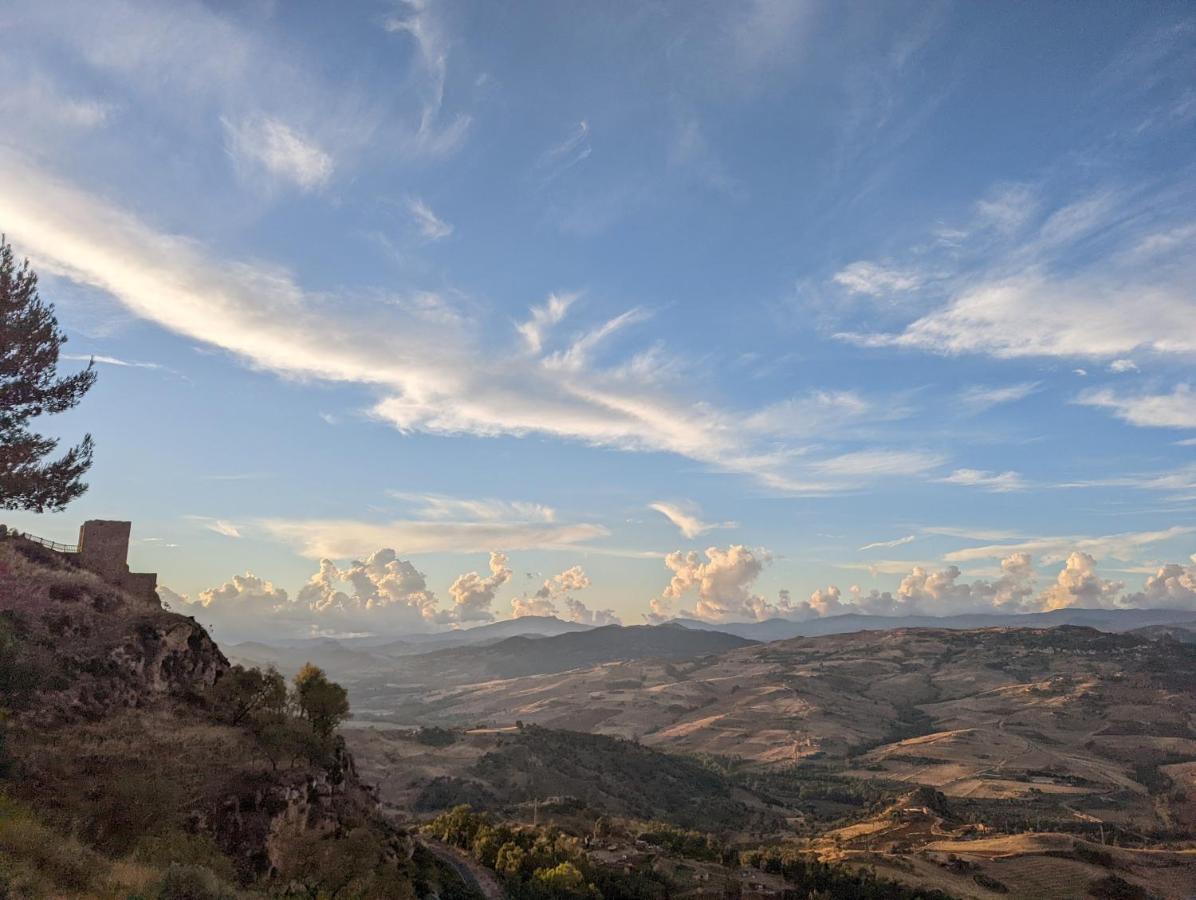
pixel 29 387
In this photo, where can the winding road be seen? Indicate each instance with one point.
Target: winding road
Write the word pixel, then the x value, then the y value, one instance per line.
pixel 470 871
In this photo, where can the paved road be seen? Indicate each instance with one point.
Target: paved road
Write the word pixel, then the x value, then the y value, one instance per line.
pixel 475 875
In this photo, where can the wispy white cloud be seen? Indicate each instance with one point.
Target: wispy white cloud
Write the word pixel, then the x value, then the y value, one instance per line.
pixel 896 542
pixel 434 370
pixel 420 20
pixel 348 538
pixel 1176 409
pixel 687 518
pixel 1122 366
pixel 876 280
pixel 110 361
pixel 1052 549
pixel 439 506
pixel 562 156
pixel 270 145
pixel 981 397
pixel 1180 482
pixel 430 225
pixel 877 463
pixel 995 482
pixel 543 318
pixel 1022 293
pixel 692 153
pixel 218 526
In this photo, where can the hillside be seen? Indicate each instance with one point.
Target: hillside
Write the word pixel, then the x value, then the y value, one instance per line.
pixel 892 749
pixel 1074 720
pixel 1184 633
pixel 122 760
pixel 518 656
pixel 510 770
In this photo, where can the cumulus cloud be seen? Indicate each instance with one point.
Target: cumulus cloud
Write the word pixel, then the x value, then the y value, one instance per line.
pixel 269 144
pixel 687 518
pixel 722 583
pixel 1173 586
pixel 243 605
pixel 927 592
pixel 1079 585
pixel 936 593
pixel 473 595
pixel 1122 366
pixel 826 601
pixel 576 611
pixel 1176 409
pixel 384 593
pixel 558 591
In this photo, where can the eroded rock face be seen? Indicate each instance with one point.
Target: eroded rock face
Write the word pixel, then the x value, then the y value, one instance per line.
pixel 258 824
pixel 171 657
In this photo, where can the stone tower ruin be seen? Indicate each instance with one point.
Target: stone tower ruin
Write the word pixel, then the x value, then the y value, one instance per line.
pixel 104 549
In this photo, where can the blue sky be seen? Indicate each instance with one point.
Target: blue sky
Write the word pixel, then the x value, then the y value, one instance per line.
pixel 623 309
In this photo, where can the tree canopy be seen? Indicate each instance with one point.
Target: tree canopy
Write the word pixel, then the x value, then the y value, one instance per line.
pixel 30 341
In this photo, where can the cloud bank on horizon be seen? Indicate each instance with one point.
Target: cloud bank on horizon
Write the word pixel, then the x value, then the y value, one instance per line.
pixel 373 294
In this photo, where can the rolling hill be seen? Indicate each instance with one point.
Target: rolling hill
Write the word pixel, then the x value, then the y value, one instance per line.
pixel 1070 722
pixel 520 656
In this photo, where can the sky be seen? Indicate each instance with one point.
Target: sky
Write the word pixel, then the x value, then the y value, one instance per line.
pixel 415 315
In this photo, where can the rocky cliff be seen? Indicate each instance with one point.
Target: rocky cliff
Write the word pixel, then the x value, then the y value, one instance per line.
pixel 111 735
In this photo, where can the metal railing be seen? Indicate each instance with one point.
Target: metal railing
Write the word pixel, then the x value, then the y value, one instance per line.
pixel 50 545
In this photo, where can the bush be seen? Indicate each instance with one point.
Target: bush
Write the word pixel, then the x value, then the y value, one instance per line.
pixel 182 848
pixel 64 863
pixel 242 693
pixel 192 883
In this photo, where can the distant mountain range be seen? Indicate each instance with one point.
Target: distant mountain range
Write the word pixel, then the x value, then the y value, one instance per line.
pixel 509 651
pixel 1112 620
pixel 484 655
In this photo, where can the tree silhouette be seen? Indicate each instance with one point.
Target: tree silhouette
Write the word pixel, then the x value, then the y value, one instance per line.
pixel 29 387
